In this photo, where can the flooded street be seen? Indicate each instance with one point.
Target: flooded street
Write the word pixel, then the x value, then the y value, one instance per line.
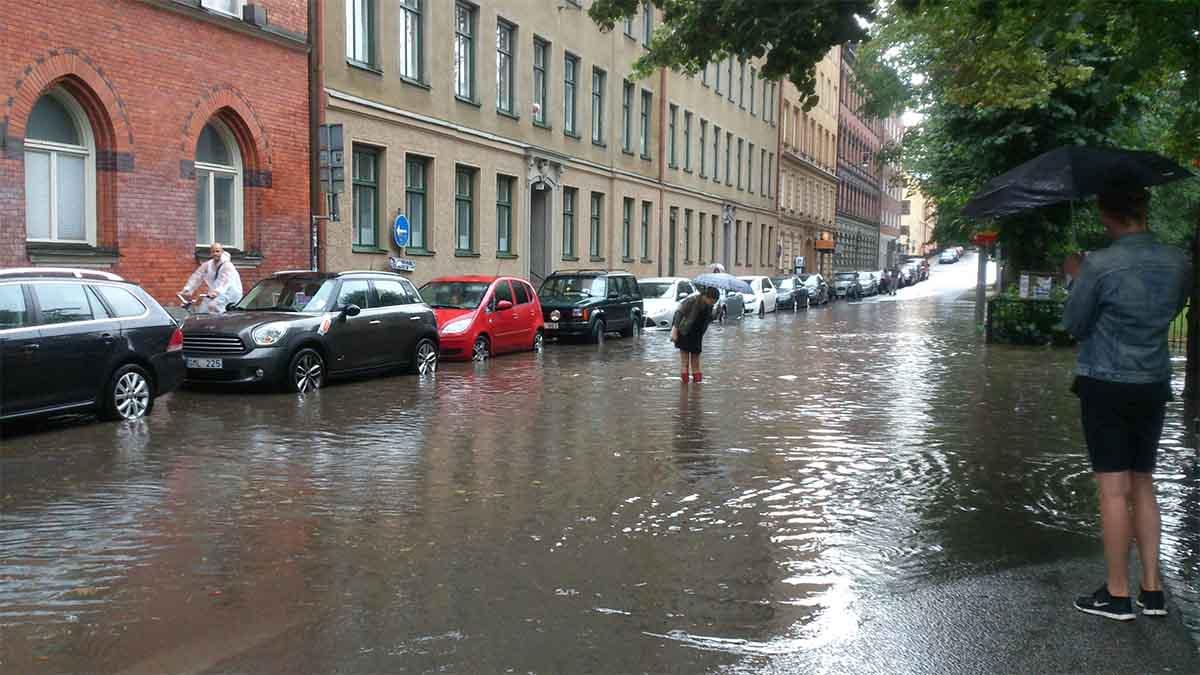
pixel 573 511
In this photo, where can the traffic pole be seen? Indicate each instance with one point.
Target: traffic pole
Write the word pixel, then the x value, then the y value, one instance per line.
pixel 981 287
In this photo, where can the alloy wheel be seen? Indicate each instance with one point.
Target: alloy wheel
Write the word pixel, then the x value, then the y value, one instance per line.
pixel 539 342
pixel 308 373
pixel 481 351
pixel 132 395
pixel 427 358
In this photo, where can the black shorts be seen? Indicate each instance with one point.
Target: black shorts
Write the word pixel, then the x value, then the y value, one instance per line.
pixel 1122 423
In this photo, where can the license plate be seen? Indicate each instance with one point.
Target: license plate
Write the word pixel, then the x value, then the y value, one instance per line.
pixel 552 325
pixel 206 364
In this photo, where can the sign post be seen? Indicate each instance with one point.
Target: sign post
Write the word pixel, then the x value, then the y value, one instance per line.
pixel 401 234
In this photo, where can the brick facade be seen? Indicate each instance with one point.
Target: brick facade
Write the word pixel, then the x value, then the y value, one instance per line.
pixel 148 75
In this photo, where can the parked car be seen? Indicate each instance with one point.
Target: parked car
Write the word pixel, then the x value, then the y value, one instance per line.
pixel 729 307
pixel 480 316
pixel 590 303
pixel 790 293
pixel 661 297
pixel 75 340
pixel 869 283
pixel 819 292
pixel 763 298
pixel 910 273
pixel 297 330
pixel 846 285
pixel 947 257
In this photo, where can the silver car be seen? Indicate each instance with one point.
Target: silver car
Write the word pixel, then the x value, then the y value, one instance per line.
pixel 729 307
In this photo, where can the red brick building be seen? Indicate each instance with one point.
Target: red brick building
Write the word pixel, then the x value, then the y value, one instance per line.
pixel 133 133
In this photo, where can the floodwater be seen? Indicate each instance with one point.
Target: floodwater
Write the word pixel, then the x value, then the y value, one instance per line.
pixel 574 511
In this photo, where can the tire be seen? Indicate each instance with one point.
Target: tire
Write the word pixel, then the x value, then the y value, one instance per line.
pixel 129 394
pixel 539 342
pixel 598 331
pixel 305 372
pixel 635 328
pixel 482 349
pixel 425 358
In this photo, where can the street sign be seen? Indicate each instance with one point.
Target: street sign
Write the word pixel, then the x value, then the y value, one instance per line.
pixel 402 264
pixel 400 230
pixel 985 238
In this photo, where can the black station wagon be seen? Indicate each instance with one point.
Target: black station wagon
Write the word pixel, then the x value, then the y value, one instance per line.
pixel 75 340
pixel 295 330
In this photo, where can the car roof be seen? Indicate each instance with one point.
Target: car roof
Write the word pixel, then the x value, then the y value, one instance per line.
pixel 58 273
pixel 608 272
pixel 470 278
pixel 662 280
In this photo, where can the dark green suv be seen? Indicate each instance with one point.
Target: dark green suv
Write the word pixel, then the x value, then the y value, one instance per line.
pixel 590 303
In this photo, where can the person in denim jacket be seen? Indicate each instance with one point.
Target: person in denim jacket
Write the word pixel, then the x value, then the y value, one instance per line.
pixel 1120 308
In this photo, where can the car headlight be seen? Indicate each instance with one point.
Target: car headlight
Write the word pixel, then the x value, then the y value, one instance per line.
pixel 269 334
pixel 457 326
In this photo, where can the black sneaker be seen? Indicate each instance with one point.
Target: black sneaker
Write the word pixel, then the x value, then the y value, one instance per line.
pixel 1153 603
pixel 1101 603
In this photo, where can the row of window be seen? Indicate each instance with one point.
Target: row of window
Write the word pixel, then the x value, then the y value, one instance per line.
pixel 636 220
pixel 61 185
pixel 738 93
pixel 804 135
pixel 856 201
pixel 807 196
pixel 857 151
pixel 733 172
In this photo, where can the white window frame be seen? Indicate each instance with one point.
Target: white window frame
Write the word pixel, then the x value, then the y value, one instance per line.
pixel 87 151
pixel 212 6
pixel 236 171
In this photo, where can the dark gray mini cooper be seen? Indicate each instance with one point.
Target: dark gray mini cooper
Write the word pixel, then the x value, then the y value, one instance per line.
pixel 296 330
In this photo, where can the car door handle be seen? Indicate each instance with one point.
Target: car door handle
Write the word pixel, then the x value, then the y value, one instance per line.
pixel 414 318
pixel 108 338
pixel 33 347
pixel 376 322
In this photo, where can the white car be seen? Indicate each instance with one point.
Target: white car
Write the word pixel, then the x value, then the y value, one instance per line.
pixel 763 298
pixel 661 297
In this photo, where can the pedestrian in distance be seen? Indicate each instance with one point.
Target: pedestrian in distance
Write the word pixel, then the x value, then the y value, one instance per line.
pixel 1121 305
pixel 687 331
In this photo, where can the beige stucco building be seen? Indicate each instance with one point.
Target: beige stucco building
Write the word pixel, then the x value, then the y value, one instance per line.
pixel 516 141
pixel 808 170
pixel 917 223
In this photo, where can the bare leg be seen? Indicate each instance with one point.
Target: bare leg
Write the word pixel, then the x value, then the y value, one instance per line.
pixel 683 362
pixel 695 361
pixel 1147 527
pixel 1117 524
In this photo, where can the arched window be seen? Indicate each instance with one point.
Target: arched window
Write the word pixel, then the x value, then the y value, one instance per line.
pixel 60 171
pixel 218 187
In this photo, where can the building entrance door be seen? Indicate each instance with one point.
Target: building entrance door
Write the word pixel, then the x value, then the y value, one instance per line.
pixel 726 245
pixel 539 233
pixel 671 238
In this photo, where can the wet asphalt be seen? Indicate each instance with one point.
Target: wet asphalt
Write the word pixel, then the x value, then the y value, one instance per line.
pixel 865 487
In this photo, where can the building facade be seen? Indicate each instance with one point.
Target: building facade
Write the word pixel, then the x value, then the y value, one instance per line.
pixel 891 188
pixel 808 180
pixel 917 223
pixel 118 162
pixel 516 141
pixel 859 197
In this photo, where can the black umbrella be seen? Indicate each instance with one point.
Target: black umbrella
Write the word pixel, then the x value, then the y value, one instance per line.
pixel 1071 172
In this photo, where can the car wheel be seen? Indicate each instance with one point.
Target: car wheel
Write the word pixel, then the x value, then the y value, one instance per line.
pixel 539 341
pixel 130 394
pixel 306 371
pixel 598 331
pixel 482 350
pixel 425 358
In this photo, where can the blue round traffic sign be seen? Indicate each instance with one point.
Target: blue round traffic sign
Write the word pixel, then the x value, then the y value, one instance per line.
pixel 400 230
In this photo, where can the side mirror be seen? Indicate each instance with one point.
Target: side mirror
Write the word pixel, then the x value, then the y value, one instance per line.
pixel 351 311
pixel 503 306
pixel 683 295
pixel 230 306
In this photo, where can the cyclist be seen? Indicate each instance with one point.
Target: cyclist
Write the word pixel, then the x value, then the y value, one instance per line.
pixel 220 277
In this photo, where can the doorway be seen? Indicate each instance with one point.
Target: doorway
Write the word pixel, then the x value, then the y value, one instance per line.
pixel 726 243
pixel 539 233
pixel 671 252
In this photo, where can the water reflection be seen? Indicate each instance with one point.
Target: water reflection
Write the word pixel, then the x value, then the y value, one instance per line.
pixel 567 511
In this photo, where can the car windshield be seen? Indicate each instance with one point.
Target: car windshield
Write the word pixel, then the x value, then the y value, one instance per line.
pixel 782 282
pixel 573 287
pixel 454 294
pixel 288 294
pixel 656 289
pixel 846 276
pixel 809 279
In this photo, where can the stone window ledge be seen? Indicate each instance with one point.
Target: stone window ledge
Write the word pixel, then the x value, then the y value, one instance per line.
pixel 63 254
pixel 241 259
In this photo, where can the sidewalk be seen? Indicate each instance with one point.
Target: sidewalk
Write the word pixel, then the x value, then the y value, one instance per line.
pixel 1016 621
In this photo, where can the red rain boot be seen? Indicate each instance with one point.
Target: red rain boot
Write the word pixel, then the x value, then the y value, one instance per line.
pixel 683 377
pixel 697 377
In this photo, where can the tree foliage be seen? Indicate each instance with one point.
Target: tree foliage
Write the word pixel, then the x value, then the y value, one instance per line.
pixel 1001 81
pixel 791 35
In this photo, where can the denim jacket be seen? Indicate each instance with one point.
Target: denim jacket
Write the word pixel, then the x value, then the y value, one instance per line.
pixel 1121 308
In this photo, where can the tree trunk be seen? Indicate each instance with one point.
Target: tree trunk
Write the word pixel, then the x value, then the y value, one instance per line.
pixel 1191 382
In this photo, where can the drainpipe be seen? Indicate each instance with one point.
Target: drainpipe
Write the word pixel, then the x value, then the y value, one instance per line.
pixel 316 117
pixel 662 162
pixel 772 181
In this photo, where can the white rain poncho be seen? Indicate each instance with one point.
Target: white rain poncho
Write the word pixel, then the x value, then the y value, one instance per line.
pixel 222 280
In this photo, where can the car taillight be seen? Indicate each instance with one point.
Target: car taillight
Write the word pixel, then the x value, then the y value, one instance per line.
pixel 176 343
pixel 586 314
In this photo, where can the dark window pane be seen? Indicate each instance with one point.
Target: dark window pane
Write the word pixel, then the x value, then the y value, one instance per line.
pixel 60 303
pixel 13 313
pixel 354 292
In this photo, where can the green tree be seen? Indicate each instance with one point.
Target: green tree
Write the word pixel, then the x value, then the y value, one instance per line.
pixel 791 35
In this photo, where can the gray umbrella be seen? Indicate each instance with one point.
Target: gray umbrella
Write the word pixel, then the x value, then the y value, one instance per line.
pixel 724 282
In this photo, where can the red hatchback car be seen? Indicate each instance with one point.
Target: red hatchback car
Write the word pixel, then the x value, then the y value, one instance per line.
pixel 479 317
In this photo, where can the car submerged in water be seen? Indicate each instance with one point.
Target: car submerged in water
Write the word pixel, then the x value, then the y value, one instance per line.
pixel 296 330
pixel 591 303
